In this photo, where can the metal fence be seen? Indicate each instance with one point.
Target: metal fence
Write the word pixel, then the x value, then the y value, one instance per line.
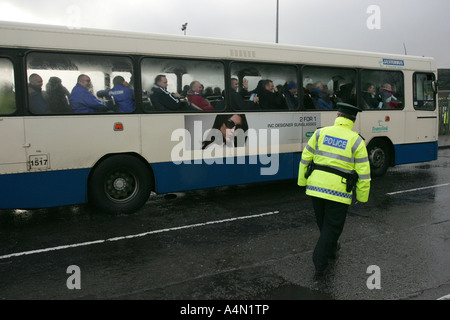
pixel 444 114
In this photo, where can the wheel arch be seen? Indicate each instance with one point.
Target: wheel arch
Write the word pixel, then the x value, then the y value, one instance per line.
pixel 133 154
pixel 390 145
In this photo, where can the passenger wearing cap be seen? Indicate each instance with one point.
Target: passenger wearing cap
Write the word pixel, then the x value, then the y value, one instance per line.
pixel 290 95
pixel 333 164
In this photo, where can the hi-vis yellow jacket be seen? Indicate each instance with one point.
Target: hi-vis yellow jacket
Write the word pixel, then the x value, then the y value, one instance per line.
pixel 340 148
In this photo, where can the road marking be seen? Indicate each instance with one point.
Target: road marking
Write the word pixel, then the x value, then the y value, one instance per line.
pixel 88 243
pixel 417 189
pixel 447 297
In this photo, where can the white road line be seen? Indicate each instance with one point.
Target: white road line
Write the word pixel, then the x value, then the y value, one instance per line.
pixel 417 189
pixel 82 244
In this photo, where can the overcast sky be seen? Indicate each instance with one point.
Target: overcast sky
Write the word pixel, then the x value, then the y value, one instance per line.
pixel 421 27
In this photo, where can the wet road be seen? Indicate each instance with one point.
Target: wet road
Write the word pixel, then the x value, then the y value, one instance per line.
pixel 236 243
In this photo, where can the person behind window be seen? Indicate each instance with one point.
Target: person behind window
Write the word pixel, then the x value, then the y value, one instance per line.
pixel 57 96
pixel 195 97
pixel 269 97
pixel 307 98
pixel 7 99
pixel 37 102
pixel 370 98
pixel 243 91
pixel 227 124
pixel 163 99
pixel 122 94
pixel 320 97
pixel 217 93
pixel 236 98
pixel 81 98
pixel 290 94
pixel 388 98
pixel 186 88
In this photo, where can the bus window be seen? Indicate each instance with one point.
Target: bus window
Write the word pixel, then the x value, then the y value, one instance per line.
pixel 7 94
pixel 382 89
pixel 424 97
pixel 71 83
pixel 325 86
pixel 275 86
pixel 172 85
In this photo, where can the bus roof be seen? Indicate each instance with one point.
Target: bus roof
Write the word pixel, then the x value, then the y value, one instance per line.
pixel 53 37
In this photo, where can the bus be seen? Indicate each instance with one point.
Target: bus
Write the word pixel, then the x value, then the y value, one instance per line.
pixel 271 97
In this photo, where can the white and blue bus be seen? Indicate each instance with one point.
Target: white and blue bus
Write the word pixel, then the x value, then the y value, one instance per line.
pixel 271 97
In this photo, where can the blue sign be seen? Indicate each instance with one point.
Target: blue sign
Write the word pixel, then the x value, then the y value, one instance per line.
pixel 393 62
pixel 335 142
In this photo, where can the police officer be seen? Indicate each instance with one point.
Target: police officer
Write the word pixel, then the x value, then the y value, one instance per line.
pixel 333 163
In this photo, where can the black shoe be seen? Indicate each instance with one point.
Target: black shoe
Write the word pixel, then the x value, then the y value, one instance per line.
pixel 319 275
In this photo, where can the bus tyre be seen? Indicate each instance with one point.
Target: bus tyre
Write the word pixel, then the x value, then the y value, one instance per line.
pixel 120 184
pixel 379 157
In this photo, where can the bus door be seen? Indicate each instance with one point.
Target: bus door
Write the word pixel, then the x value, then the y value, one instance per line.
pixel 425 106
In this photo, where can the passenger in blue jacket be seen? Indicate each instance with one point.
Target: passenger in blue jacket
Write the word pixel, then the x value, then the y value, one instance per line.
pixel 122 94
pixel 82 100
pixel 320 97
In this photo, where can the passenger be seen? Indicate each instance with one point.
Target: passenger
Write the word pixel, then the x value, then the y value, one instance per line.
pixel 307 98
pixel 185 91
pixel 269 97
pixel 122 94
pixel 57 96
pixel 163 99
pixel 244 89
pixel 290 94
pixel 82 100
pixel 217 93
pixel 195 97
pixel 236 99
pixel 37 102
pixel 320 97
pixel 388 98
pixel 207 92
pixel 228 125
pixel 370 98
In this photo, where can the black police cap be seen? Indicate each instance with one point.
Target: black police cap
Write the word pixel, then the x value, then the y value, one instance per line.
pixel 348 108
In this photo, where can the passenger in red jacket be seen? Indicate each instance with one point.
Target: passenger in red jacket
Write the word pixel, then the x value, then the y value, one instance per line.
pixel 195 97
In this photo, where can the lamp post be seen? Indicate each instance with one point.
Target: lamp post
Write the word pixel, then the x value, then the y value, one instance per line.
pixel 184 27
pixel 277 22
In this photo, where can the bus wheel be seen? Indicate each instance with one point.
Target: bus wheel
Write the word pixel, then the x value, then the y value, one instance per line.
pixel 120 184
pixel 379 157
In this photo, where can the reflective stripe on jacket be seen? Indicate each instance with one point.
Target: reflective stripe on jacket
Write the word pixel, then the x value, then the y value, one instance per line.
pixel 340 148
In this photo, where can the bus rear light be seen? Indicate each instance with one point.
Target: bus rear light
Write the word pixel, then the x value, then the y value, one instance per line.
pixel 387 118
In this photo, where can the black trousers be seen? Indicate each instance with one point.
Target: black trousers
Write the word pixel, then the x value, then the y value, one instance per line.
pixel 330 218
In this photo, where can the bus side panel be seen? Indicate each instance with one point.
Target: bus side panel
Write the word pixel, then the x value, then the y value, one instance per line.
pixel 417 152
pixel 43 189
pixel 171 177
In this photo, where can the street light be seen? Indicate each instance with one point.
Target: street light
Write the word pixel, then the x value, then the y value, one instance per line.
pixel 184 27
pixel 277 21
